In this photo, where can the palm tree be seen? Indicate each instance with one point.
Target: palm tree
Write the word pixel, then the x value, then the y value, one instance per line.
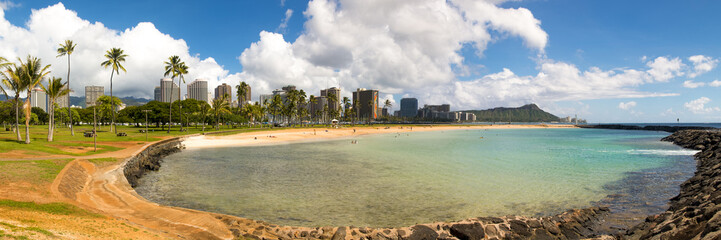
pixel 242 90
pixel 54 90
pixel 220 106
pixel 276 105
pixel 203 112
pixel 387 105
pixel 115 58
pixel 370 113
pixel 346 105
pixel 67 49
pixel 174 68
pixel 312 100
pixel 11 80
pixel 32 73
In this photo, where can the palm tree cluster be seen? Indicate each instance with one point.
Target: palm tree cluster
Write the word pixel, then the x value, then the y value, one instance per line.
pixel 24 75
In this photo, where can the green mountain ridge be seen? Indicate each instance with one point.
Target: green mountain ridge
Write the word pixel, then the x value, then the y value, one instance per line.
pixel 525 113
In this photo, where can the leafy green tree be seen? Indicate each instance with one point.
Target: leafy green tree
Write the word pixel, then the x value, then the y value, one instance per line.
pixel 105 108
pixel 54 90
pixel 220 106
pixel 115 58
pixel 41 114
pixel 203 112
pixel 67 49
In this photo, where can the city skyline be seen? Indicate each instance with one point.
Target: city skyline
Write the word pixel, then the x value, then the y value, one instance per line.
pixel 655 71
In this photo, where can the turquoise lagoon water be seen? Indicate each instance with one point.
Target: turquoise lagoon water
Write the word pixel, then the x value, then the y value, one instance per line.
pixel 403 179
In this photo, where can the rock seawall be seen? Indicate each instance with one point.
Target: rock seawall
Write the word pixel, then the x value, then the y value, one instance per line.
pixel 695 212
pixel 149 159
pixel 572 224
pixel 670 129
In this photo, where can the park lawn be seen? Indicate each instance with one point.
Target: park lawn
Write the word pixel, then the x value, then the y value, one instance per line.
pixel 40 172
pixel 79 145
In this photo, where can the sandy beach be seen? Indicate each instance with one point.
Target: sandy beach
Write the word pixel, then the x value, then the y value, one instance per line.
pixel 285 136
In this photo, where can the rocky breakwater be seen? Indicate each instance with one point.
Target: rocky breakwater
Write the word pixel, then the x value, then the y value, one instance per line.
pixel 573 224
pixel 695 212
pixel 149 159
pixel 670 129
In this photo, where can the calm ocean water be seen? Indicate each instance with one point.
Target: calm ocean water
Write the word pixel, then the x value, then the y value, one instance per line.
pixel 404 179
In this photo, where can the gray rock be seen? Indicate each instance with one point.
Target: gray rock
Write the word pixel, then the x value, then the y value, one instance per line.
pixel 468 231
pixel 422 232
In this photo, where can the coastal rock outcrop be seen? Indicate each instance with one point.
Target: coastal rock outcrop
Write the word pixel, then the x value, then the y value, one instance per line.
pixel 694 213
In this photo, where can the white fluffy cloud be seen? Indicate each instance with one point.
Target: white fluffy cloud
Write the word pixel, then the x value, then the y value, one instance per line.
pixel 400 47
pixel 413 48
pixel 663 69
pixel 698 106
pixel 146 47
pixel 394 46
pixel 715 83
pixel 701 64
pixel 692 84
pixel 627 105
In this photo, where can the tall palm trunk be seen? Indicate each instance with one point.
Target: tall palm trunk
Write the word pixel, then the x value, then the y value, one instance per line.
pixel 170 108
pixel 17 116
pixel 51 122
pixel 70 114
pixel 181 106
pixel 112 104
pixel 27 118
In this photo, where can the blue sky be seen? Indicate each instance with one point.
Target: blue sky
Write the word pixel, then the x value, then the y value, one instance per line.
pixel 618 38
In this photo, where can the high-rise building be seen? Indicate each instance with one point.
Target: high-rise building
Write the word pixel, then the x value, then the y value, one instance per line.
pixel 317 109
pixel 409 107
pixel 92 93
pixel 198 90
pixel 247 95
pixel 38 98
pixel 223 90
pixel 289 88
pixel 367 103
pixel 333 103
pixel 169 91
pixel 157 94
pixel 63 101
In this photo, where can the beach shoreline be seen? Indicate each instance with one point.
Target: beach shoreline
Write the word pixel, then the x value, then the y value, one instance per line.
pixel 298 135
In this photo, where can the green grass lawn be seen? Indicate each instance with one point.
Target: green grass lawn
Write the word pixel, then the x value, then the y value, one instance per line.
pixel 63 140
pixel 33 171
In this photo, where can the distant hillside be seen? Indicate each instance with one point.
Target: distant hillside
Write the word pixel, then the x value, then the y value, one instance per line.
pixel 526 113
pixel 129 101
pixel 80 101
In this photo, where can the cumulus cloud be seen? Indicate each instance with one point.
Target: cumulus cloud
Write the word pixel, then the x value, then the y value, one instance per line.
pixel 146 47
pixel 663 69
pixel 715 83
pixel 627 105
pixel 402 48
pixel 692 84
pixel 698 106
pixel 413 49
pixel 701 64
